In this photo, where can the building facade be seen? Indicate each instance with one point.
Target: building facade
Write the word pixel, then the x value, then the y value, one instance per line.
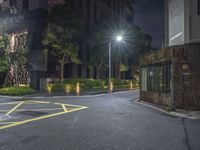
pixel 182 22
pixel 32 17
pixel 92 11
pixel 171 76
pixel 27 16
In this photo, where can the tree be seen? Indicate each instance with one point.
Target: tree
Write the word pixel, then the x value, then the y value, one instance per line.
pixel 64 27
pixel 3 58
pixel 59 44
pixel 16 56
pixel 124 55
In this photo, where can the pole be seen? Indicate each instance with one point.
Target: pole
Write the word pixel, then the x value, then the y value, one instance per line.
pixel 109 90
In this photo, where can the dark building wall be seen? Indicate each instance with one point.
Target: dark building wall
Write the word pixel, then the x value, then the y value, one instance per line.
pixel 186 73
pixel 36 21
pixel 92 11
pixel 184 80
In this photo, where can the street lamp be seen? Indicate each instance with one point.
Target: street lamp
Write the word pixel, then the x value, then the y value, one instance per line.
pixel 119 38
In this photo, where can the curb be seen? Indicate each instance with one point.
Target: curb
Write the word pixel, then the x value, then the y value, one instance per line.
pixel 65 96
pixel 172 113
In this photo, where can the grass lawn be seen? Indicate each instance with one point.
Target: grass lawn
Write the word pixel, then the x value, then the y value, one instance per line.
pixel 14 91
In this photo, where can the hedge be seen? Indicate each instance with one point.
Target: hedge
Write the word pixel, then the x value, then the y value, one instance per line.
pixel 15 91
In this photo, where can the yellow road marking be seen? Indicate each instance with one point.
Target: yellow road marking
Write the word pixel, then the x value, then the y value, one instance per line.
pixel 36 102
pixel 48 109
pixel 39 118
pixel 4 110
pixel 10 103
pixel 67 104
pixel 64 108
pixel 14 108
pixel 3 123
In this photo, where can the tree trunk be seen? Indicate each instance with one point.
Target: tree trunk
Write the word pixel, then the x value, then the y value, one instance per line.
pixel 17 74
pixel 99 71
pixel 61 71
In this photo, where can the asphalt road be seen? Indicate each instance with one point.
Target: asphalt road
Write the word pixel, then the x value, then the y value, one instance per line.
pixel 107 122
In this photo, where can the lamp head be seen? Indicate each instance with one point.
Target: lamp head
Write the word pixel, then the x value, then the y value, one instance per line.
pixel 119 38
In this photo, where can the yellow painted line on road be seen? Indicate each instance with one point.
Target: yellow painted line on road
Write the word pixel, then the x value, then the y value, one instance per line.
pixel 42 117
pixel 10 103
pixel 48 109
pixel 36 102
pixel 3 123
pixel 4 110
pixel 14 108
pixel 64 108
pixel 67 104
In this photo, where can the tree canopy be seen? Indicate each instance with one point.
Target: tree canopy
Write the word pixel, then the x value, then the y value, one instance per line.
pixel 125 54
pixel 62 34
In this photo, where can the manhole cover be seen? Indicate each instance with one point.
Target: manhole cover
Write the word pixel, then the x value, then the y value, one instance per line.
pixel 32 113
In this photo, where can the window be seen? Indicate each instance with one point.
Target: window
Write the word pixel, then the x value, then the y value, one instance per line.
pixel 25 5
pixel 13 3
pixel 95 13
pixel 88 17
pixel 118 6
pixel 107 2
pixel 156 77
pixel 198 7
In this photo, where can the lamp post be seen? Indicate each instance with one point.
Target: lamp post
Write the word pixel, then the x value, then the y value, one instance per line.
pixel 118 39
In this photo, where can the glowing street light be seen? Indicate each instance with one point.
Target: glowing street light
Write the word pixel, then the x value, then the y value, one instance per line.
pixel 118 38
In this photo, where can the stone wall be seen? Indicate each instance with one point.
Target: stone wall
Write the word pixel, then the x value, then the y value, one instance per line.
pixel 185 76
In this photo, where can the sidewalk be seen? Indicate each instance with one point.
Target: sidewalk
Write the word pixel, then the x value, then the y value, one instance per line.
pixel 189 114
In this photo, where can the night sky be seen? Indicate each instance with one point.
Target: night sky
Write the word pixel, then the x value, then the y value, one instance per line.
pixel 149 15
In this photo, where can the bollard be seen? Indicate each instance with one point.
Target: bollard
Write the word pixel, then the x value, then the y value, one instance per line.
pixel 111 86
pixel 131 85
pixel 68 88
pixel 78 89
pixel 49 88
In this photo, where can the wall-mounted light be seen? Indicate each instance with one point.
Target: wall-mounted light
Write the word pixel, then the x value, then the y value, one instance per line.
pixel 185 66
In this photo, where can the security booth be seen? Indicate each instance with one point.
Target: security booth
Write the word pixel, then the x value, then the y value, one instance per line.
pixel 171 77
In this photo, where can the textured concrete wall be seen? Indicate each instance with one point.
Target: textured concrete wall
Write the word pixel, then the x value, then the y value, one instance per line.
pixel 185 83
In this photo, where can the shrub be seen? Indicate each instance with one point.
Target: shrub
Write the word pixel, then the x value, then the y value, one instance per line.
pixel 70 85
pixel 14 91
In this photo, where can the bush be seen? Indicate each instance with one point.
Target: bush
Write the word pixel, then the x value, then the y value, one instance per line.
pixel 14 91
pixel 85 83
pixel 70 85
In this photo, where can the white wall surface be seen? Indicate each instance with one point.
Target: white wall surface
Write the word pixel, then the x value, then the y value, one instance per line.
pixel 176 22
pixel 183 22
